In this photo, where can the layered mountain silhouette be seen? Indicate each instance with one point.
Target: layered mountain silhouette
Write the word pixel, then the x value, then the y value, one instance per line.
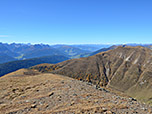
pixel 26 51
pixel 6 51
pixel 16 51
pixel 20 51
pixel 126 69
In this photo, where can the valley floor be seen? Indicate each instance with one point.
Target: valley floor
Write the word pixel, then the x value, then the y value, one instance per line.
pixel 55 94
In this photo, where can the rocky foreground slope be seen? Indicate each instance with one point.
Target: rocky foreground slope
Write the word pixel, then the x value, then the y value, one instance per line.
pixel 126 69
pixel 31 92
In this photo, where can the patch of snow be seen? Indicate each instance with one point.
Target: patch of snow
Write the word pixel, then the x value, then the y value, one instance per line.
pixel 127 59
pixel 107 71
pixel 120 55
pixel 136 60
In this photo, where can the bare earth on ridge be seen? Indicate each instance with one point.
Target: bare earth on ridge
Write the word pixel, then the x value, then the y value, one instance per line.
pixel 55 94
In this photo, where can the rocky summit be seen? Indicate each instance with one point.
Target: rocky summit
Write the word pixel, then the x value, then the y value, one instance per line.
pixel 31 92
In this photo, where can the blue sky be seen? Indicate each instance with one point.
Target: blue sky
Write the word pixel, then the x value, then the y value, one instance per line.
pixel 76 21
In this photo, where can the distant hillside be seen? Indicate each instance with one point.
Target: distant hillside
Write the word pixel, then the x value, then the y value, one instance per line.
pixel 72 52
pixel 127 69
pixel 98 51
pixel 15 65
pixel 102 50
pixel 84 47
pixel 5 58
pixel 43 52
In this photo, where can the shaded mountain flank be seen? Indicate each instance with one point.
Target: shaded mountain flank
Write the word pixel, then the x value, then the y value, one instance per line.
pixel 102 50
pixel 15 65
pixel 43 52
pixel 31 92
pixel 71 51
pixel 5 58
pixel 126 69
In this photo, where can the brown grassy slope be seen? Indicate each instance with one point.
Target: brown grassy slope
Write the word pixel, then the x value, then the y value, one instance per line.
pixel 127 69
pixel 54 94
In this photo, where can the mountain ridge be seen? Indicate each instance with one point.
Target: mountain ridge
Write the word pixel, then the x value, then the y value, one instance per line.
pixel 29 91
pixel 124 69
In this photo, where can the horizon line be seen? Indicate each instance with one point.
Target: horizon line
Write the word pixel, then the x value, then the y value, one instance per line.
pixel 75 43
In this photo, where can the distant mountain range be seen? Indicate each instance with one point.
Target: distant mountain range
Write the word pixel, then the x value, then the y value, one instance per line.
pixel 85 47
pixel 17 51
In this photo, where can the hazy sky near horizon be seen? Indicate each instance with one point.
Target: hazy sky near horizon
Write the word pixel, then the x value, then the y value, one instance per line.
pixel 76 21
